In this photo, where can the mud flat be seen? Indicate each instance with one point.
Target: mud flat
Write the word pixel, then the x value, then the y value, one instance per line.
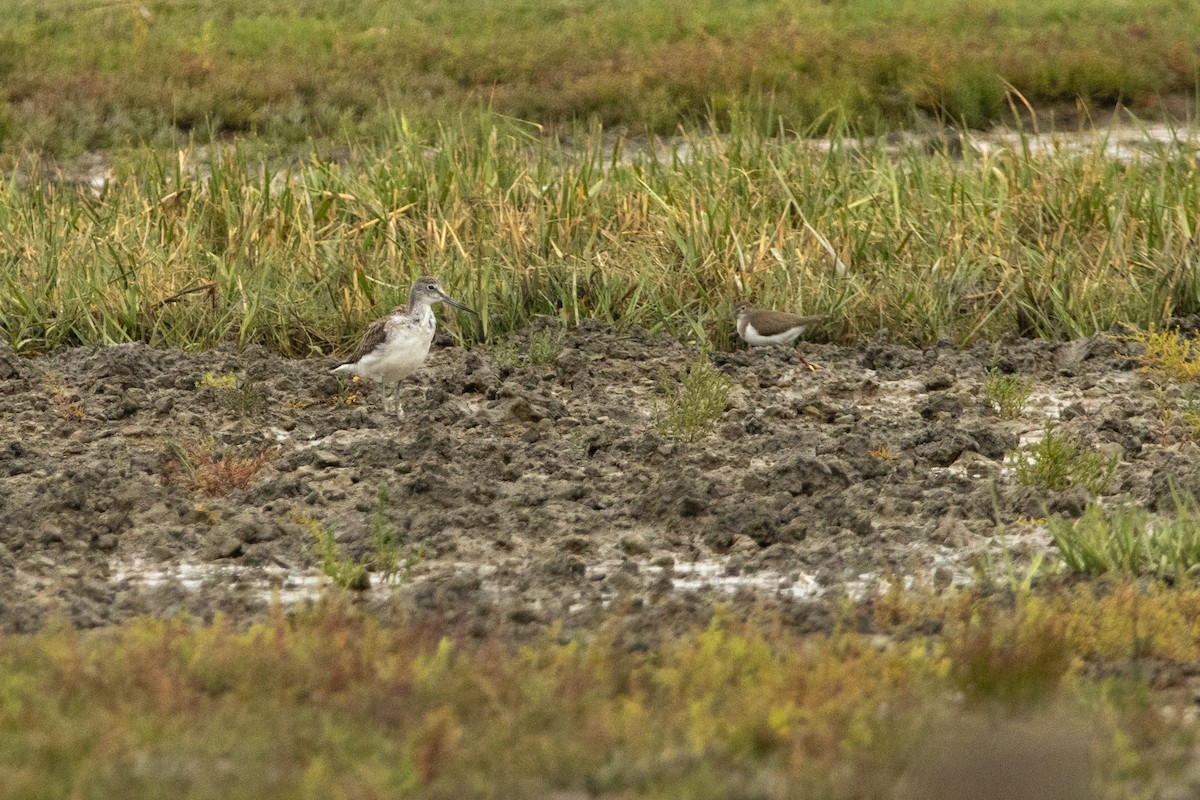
pixel 524 494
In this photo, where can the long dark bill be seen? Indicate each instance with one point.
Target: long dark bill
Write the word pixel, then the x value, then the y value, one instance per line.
pixel 448 299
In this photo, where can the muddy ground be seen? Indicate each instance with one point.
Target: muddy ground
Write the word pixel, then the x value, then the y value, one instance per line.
pixel 526 494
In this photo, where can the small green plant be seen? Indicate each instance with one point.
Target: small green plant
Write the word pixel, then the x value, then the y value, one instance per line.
pixel 1003 571
pixel 506 354
pixel 693 405
pixel 239 398
pixel 544 346
pixel 345 572
pixel 1055 462
pixel 1008 394
pixel 1130 540
pixel 387 560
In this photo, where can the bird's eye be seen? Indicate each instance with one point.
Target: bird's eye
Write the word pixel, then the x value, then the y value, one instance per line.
pixel 431 287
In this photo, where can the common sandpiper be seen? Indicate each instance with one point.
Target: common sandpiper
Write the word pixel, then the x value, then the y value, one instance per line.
pixel 395 347
pixel 758 327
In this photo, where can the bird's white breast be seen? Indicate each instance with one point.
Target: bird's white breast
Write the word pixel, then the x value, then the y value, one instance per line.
pixel 403 351
pixel 756 339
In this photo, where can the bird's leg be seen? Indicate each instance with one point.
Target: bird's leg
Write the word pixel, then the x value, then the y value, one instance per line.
pixel 811 366
pixel 396 400
pixel 387 400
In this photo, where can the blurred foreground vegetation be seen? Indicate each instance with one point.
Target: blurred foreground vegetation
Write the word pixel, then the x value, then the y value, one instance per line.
pixel 99 74
pixel 1053 686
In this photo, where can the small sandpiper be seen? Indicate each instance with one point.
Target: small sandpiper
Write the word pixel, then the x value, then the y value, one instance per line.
pixel 758 327
pixel 395 347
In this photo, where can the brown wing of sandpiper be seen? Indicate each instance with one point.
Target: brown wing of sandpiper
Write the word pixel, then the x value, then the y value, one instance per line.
pixel 375 336
pixel 770 323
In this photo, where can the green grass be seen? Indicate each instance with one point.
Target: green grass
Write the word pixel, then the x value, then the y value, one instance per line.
pixel 386 559
pixel 1008 394
pixel 1056 462
pixel 1130 540
pixel 693 404
pixel 331 703
pixel 216 246
pixel 104 73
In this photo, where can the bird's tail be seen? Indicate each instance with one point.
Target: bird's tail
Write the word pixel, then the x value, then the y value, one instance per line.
pixel 814 319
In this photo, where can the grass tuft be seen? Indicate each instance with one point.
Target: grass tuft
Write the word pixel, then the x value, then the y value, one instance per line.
pixel 1055 462
pixel 1131 541
pixel 1007 394
pixel 544 346
pixel 240 398
pixel 693 405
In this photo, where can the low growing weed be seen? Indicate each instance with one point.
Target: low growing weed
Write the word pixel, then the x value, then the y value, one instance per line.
pixel 212 472
pixel 1130 540
pixel 345 572
pixel 544 346
pixel 1055 462
pixel 694 404
pixel 242 399
pixel 1167 353
pixel 1008 394
pixel 386 559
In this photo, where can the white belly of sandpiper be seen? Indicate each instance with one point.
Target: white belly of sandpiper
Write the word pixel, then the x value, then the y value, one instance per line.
pixel 396 358
pixel 756 339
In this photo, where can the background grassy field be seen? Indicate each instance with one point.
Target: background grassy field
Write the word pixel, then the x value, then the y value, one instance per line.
pixel 212 244
pixel 101 73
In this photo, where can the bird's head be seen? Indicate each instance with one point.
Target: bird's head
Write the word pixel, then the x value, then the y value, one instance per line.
pixel 427 291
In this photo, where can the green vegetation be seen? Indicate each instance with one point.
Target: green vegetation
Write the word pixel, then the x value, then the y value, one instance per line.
pixel 386 559
pixel 1008 394
pixel 1055 462
pixel 693 405
pixel 344 572
pixel 544 346
pixel 541 348
pixel 113 73
pixel 331 703
pixel 1130 540
pixel 216 246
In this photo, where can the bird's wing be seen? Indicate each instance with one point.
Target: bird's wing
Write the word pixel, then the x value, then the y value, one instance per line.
pixel 769 323
pixel 375 336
